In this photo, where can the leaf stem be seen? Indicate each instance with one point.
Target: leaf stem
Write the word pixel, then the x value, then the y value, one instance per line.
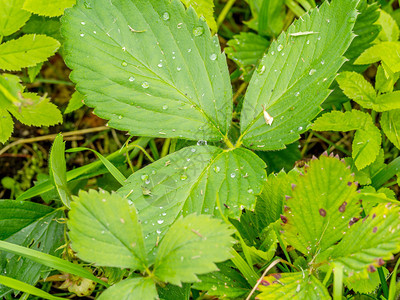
pixel 337 282
pixel 327 276
pixel 295 8
pixel 224 12
pixel 229 143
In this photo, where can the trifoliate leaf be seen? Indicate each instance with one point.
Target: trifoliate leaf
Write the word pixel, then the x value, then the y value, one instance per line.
pixel 36 111
pixel 12 16
pixel 390 29
pixel 246 50
pixel 204 8
pixel 192 246
pixel 74 103
pixel 390 123
pixel 200 179
pixel 323 203
pixel 131 289
pixel 387 52
pixel 358 89
pixel 27 51
pixel 227 282
pixel 48 8
pixel 6 125
pixel 104 229
pixel 367 140
pixel 293 79
pixel 154 63
pixel 296 286
pixel 369 242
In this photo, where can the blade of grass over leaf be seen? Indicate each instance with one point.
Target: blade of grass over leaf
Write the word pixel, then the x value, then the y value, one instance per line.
pixel 292 80
pixel 50 261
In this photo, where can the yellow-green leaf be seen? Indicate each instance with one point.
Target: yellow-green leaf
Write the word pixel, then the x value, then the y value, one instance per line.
pixel 47 8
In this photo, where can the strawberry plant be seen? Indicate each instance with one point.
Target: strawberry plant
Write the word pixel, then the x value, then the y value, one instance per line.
pixel 204 220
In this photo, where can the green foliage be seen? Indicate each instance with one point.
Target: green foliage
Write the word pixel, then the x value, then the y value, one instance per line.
pixel 27 108
pixel 113 236
pixel 74 103
pixel 27 51
pixel 130 289
pixel 390 123
pixel 367 139
pixel 46 8
pixel 293 79
pixel 12 16
pixel 204 8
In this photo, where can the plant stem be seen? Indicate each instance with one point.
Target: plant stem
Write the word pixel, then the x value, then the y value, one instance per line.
pixel 295 8
pixel 224 12
pixel 305 4
pixel 338 282
pixel 332 144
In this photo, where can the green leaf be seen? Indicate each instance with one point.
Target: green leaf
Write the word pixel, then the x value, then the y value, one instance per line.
pixel 385 81
pixel 200 179
pixel 281 160
pixel 390 29
pixel 28 225
pixel 323 203
pixel 22 286
pixel 58 170
pixel 26 51
pixel 294 286
pixel 357 88
pixel 270 203
pixel 6 125
pixel 131 289
pixel 387 52
pixel 44 25
pixel 36 111
pixel 173 292
pixel 192 246
pixel 359 284
pixel 293 79
pixel 272 15
pixel 367 140
pixel 369 242
pixel 226 282
pixel 75 103
pixel 46 8
pixel 34 71
pixel 104 229
pixel 204 8
pixel 246 50
pixel 390 123
pixel 170 76
pixel 12 16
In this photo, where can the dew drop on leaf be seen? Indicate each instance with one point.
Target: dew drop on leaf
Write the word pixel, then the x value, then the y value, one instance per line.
pixel 165 107
pixel 165 16
pixel 144 177
pixel 250 191
pixel 131 79
pixel 184 177
pixel 280 48
pixel 198 31
pixel 217 169
pixel 312 72
pixel 145 85
pixel 213 56
pixel 233 175
pixel 160 221
pixel 124 64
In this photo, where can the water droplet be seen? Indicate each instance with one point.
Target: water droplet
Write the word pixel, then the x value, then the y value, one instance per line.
pixel 280 48
pixel 202 143
pixel 160 221
pixel 189 50
pixel 158 231
pixel 233 175
pixel 193 150
pixel 351 20
pixel 250 191
pixel 131 79
pixel 82 34
pixel 300 128
pixel 83 23
pixel 144 177
pixel 312 72
pixel 261 69
pixel 120 117
pixel 178 69
pixel 217 169
pixel 308 42
pixel 165 16
pixel 145 85
pixel 198 31
pixel 297 94
pixel 322 62
pixel 165 107
pixel 184 177
pixel 124 63
pixel 273 52
pixel 160 65
pixel 213 56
